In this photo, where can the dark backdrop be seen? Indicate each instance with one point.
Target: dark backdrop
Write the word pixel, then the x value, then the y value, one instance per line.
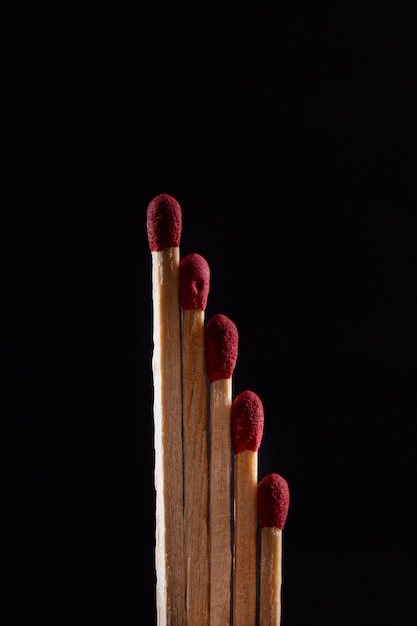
pixel 288 138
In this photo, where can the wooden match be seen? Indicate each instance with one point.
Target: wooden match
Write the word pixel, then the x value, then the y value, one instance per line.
pixel 247 420
pixel 164 223
pixel 273 501
pixel 221 343
pixel 194 283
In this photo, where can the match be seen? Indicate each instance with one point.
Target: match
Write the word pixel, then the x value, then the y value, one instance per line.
pixel 273 501
pixel 247 420
pixel 194 284
pixel 164 224
pixel 221 345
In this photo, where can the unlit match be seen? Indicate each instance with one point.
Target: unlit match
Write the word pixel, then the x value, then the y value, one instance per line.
pixel 247 420
pixel 164 223
pixel 194 284
pixel 273 501
pixel 221 345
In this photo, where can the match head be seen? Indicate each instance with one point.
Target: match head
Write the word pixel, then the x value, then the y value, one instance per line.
pixel 247 422
pixel 221 343
pixel 194 279
pixel 164 223
pixel 273 501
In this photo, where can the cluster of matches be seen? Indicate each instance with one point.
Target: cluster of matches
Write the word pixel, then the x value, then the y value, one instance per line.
pixel 205 440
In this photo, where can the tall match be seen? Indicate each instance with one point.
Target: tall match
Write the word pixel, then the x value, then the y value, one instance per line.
pixel 194 282
pixel 273 500
pixel 164 224
pixel 247 421
pixel 221 344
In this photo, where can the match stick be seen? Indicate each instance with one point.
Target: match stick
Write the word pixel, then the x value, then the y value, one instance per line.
pixel 164 223
pixel 194 282
pixel 247 421
pixel 273 501
pixel 221 345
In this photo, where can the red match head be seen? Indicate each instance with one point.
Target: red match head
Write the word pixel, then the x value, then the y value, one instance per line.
pixel 221 343
pixel 247 422
pixel 273 501
pixel 164 223
pixel 194 278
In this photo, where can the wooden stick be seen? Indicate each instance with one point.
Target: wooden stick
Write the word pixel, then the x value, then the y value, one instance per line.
pixel 273 501
pixel 247 419
pixel 164 222
pixel 221 344
pixel 194 280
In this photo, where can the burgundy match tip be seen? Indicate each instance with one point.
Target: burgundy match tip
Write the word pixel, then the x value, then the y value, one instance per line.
pixel 221 344
pixel 247 422
pixel 273 501
pixel 164 223
pixel 194 280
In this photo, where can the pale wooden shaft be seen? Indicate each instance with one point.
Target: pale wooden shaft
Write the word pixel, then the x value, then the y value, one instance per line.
pixel 195 467
pixel 270 577
pixel 220 501
pixel 166 366
pixel 245 532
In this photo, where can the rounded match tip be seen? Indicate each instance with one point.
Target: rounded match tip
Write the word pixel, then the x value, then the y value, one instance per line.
pixel 194 280
pixel 164 223
pixel 247 422
pixel 273 501
pixel 221 344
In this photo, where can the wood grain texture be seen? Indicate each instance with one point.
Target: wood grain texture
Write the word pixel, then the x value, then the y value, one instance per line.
pixel 220 502
pixel 270 576
pixel 166 366
pixel 195 467
pixel 245 534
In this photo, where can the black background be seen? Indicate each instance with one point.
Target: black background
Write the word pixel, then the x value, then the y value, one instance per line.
pixel 288 138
